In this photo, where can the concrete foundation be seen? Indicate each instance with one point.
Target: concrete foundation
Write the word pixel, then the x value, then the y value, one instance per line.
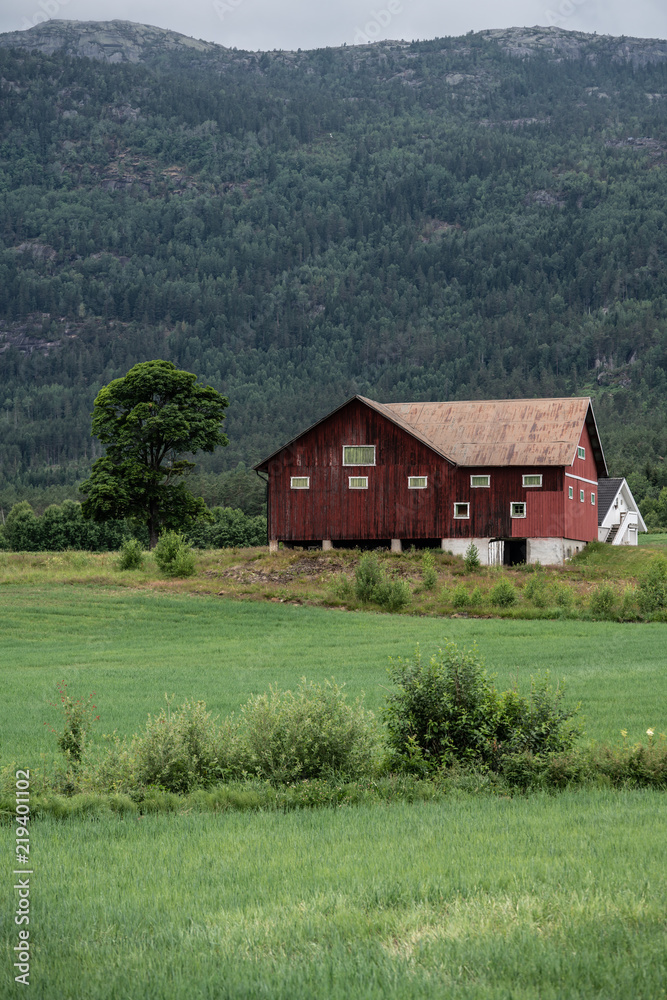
pixel 547 551
pixel 327 545
pixel 273 544
pixel 396 545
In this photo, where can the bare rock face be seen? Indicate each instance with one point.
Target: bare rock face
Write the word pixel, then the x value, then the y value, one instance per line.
pixel 110 41
pixel 561 44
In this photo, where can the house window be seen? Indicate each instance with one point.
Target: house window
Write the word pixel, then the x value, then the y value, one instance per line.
pixel 359 454
pixel 570 492
pixel 358 482
pixel 532 480
pixel 480 480
pixel 300 482
pixel 417 482
pixel 581 452
pixel 593 499
pixel 581 495
pixel 517 510
pixel 461 510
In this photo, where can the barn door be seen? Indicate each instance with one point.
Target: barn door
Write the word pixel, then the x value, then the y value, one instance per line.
pixel 496 553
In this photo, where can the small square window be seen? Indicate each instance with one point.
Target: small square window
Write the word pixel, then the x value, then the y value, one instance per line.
pixel 582 495
pixel 300 482
pixel 461 510
pixel 517 510
pixel 358 482
pixel 417 482
pixel 581 452
pixel 593 499
pixel 480 480
pixel 570 492
pixel 532 480
pixel 359 454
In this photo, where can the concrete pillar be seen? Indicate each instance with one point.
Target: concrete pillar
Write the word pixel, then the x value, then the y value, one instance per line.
pixel 327 545
pixel 396 545
pixel 273 544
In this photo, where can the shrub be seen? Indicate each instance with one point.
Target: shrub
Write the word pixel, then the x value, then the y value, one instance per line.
pixel 603 601
pixel 447 710
pixel 460 596
pixel 503 594
pixel 652 589
pixel 535 591
pixel 131 555
pixel 173 555
pixel 471 558
pixel 392 594
pixel 371 584
pixel 178 750
pixel 367 576
pixel 77 719
pixel 563 596
pixel 311 733
pixel 476 597
pixel 429 574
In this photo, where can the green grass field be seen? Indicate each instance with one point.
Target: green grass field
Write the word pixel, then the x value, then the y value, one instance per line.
pixel 132 647
pixel 473 896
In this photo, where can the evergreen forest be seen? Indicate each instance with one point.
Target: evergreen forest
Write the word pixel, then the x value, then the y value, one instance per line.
pixel 429 220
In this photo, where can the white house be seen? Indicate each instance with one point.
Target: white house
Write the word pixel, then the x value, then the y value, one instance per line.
pixel 619 520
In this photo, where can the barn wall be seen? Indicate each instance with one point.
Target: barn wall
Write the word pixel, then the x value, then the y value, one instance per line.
pixel 581 519
pixel 490 507
pixel 330 510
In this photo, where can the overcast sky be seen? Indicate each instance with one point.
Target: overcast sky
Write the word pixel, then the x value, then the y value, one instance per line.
pixel 290 24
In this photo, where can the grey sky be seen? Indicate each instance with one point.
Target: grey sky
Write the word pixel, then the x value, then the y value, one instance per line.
pixel 290 24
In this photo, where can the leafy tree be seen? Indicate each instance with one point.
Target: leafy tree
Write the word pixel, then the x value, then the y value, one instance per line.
pixel 148 420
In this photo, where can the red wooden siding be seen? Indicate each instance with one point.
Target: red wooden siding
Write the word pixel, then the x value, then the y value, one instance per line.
pixel 581 519
pixel 388 509
pixel 329 509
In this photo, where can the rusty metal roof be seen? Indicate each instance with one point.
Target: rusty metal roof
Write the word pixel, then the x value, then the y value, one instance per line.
pixel 501 432
pixel 495 432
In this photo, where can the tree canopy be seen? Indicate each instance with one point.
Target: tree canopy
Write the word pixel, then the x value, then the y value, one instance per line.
pixel 149 420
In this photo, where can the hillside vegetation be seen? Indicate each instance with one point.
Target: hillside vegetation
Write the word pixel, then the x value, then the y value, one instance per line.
pixel 460 218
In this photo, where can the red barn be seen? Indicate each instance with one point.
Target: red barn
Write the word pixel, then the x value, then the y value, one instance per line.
pixel 516 477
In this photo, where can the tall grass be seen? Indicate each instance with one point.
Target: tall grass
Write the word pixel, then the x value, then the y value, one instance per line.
pixel 544 896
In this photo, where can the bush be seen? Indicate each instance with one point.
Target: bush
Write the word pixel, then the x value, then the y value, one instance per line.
pixel 563 596
pixel 429 574
pixel 173 555
pixel 77 719
pixel 460 596
pixel 603 601
pixel 652 589
pixel 476 598
pixel 535 591
pixel 131 555
pixel 503 594
pixel 371 584
pixel 311 733
pixel 392 594
pixel 367 576
pixel 178 750
pixel 471 559
pixel 447 710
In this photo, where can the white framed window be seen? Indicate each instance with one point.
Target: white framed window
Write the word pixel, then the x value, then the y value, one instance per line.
pixel 417 482
pixel 480 481
pixel 570 492
pixel 593 499
pixel 517 509
pixel 581 452
pixel 582 495
pixel 299 482
pixel 461 510
pixel 358 454
pixel 531 480
pixel 358 482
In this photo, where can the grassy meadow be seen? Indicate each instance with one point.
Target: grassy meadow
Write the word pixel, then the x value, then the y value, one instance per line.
pixel 472 896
